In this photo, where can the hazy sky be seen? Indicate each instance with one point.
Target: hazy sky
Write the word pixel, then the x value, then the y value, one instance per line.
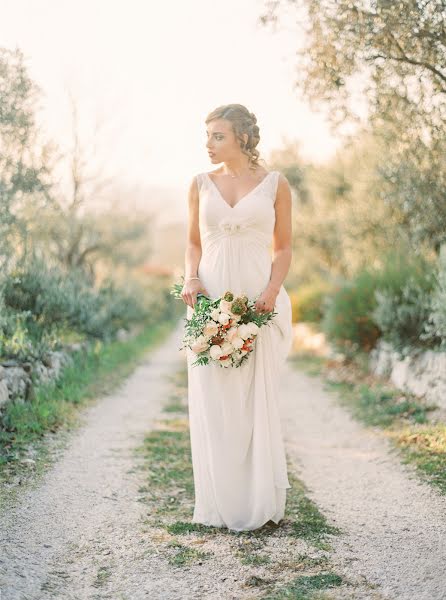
pixel 151 71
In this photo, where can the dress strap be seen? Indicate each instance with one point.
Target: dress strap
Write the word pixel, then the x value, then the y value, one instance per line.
pixel 275 184
pixel 199 178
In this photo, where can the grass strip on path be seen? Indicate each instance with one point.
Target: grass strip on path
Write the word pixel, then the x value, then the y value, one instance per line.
pixel 291 560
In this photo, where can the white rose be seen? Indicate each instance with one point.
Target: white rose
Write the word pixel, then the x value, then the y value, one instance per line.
pixel 243 331
pixel 225 306
pixel 215 314
pixel 226 348
pixel 199 345
pixel 210 329
pixel 237 342
pixel 223 318
pixel 231 333
pixel 226 362
pixel 253 328
pixel 215 351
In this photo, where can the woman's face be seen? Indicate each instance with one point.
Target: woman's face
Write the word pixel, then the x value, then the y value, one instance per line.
pixel 222 144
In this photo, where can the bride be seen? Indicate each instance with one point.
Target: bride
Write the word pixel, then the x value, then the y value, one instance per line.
pixel 239 240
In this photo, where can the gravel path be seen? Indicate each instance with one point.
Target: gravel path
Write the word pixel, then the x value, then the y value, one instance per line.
pixel 395 524
pixel 79 533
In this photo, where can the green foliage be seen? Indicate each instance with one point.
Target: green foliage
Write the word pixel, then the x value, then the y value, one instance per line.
pixel 391 55
pixel 40 303
pixel 436 325
pixel 347 321
pixel 23 168
pixel 403 301
pixel 392 300
pixel 307 302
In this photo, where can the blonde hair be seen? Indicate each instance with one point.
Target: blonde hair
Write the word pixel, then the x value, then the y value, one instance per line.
pixel 243 122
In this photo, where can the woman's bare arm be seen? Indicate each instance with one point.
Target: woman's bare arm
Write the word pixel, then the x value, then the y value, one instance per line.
pixel 193 249
pixel 282 248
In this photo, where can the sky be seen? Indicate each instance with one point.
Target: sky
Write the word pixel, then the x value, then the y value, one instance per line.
pixel 145 74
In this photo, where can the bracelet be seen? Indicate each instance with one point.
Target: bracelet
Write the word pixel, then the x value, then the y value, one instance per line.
pixel 189 278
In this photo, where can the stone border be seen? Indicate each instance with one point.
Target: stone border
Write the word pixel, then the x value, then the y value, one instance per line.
pixel 422 373
pixel 16 377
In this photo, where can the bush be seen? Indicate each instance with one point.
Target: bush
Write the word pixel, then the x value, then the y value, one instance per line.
pixel 403 301
pixel 402 314
pixel 53 299
pixel 40 305
pixel 347 322
pixel 392 301
pixel 435 329
pixel 308 301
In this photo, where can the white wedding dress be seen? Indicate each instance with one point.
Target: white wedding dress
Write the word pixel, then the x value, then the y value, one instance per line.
pixel 238 455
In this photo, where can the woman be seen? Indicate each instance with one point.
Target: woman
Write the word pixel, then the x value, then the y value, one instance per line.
pixel 235 212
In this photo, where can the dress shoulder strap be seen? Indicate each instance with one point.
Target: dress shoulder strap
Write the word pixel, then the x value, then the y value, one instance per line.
pixel 199 178
pixel 275 184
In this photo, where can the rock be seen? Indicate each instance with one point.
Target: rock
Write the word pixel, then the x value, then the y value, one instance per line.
pixel 16 380
pixel 420 373
pixel 122 335
pixel 4 393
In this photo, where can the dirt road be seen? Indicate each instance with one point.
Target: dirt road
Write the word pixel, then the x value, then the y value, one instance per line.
pixel 77 533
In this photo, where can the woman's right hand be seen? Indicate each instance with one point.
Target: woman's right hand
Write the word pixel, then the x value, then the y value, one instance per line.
pixel 190 291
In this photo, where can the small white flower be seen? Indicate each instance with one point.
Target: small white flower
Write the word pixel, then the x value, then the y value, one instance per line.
pixel 231 227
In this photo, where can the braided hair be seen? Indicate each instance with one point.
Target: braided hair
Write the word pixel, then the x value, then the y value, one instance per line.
pixel 243 122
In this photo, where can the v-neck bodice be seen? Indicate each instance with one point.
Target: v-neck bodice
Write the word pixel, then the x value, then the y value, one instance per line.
pixel 244 195
pixel 248 224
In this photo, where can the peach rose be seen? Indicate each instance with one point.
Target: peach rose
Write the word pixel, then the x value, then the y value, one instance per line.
pixel 210 329
pixel 199 345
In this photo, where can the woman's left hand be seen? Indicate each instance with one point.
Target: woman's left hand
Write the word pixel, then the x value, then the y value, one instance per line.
pixel 266 301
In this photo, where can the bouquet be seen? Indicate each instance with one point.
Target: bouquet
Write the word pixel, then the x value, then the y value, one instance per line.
pixel 222 330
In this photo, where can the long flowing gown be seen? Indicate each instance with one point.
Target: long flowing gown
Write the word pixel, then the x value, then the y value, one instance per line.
pixel 238 454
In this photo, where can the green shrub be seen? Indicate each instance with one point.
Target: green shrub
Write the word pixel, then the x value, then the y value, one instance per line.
pixel 435 329
pixel 402 314
pixel 392 300
pixel 347 322
pixel 41 305
pixel 307 302
pixel 403 301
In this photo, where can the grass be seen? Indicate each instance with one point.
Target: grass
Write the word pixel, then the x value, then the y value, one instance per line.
pixel 183 555
pixel 55 406
pixel 169 495
pixel 307 522
pixel 403 417
pixel 303 587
